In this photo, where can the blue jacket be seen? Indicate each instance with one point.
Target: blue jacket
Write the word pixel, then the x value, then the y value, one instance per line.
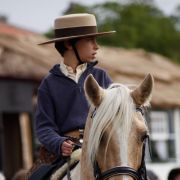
pixel 62 106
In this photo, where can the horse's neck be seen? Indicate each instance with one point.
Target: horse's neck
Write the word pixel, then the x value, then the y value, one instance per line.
pixel 86 167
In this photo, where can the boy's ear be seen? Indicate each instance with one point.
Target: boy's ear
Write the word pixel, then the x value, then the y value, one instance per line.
pixel 68 45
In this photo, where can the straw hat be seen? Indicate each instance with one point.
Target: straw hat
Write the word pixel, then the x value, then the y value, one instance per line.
pixel 74 26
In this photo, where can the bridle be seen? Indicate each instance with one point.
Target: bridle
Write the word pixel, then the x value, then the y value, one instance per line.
pixel 139 174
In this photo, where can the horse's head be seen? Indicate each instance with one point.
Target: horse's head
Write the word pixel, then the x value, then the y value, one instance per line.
pixel 118 129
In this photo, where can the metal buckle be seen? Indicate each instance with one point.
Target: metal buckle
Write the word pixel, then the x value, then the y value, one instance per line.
pixel 81 134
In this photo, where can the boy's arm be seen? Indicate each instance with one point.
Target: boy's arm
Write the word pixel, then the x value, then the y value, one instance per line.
pixel 45 127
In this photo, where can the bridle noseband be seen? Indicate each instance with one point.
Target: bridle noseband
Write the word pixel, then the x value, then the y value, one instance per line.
pixel 139 174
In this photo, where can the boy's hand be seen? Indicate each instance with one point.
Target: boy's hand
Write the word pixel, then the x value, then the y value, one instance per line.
pixel 67 147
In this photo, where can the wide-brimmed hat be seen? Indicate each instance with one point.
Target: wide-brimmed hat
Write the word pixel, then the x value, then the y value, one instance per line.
pixel 75 26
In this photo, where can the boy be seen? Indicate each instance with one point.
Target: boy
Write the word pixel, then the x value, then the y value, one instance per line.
pixel 62 107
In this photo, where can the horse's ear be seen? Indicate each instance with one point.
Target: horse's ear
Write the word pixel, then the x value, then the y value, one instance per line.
pixel 93 91
pixel 143 92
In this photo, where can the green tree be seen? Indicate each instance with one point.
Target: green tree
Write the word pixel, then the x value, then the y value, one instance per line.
pixel 138 23
pixel 140 26
pixel 176 17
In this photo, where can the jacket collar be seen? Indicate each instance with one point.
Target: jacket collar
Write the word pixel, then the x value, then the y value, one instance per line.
pixel 56 70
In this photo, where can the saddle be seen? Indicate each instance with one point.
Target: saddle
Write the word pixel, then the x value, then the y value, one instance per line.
pixel 72 162
pixel 47 163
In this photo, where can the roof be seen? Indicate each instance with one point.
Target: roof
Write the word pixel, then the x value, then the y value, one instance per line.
pixel 13 31
pixel 22 58
pixel 131 66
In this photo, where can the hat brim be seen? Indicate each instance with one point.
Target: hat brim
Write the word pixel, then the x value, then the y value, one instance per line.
pixel 79 36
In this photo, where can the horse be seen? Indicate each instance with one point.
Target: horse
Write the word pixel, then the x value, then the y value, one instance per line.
pixel 115 132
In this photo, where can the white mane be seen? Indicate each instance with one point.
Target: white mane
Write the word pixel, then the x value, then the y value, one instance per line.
pixel 116 110
pixel 2 177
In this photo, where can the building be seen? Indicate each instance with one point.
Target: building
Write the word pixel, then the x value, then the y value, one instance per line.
pixel 22 66
pixel 130 67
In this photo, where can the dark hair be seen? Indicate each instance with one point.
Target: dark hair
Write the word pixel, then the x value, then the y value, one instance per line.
pixel 60 47
pixel 173 173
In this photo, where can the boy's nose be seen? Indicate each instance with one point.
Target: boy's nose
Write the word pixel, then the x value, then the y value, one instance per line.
pixel 96 46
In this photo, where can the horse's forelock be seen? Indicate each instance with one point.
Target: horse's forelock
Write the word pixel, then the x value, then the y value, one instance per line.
pixel 116 110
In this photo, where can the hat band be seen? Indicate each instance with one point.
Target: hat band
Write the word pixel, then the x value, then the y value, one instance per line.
pixel 75 31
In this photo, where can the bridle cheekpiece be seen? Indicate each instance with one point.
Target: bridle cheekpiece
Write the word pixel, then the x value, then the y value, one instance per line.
pixel 139 174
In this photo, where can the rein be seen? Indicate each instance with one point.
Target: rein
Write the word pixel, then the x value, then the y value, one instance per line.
pixel 139 174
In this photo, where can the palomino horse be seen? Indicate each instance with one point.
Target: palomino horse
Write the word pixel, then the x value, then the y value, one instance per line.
pixel 115 132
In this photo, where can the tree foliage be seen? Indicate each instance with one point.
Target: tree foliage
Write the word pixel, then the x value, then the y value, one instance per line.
pixel 138 25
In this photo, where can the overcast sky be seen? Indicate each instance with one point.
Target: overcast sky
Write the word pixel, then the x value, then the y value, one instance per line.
pixel 38 15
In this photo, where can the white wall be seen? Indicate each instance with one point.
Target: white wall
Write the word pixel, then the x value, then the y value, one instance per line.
pixel 162 169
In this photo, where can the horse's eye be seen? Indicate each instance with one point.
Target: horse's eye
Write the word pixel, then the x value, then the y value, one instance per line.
pixel 141 110
pixel 144 136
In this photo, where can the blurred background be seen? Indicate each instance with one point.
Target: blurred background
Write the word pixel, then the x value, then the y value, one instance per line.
pixel 147 41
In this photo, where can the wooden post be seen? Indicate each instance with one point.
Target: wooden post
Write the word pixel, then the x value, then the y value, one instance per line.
pixel 26 138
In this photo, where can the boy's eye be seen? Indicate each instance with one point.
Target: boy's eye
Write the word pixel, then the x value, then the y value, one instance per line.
pixel 89 39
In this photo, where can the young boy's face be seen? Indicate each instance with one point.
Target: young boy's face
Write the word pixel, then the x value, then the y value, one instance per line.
pixel 87 48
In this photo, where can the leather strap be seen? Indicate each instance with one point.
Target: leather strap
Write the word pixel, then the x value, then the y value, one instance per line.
pixel 119 170
pixel 75 31
pixel 75 134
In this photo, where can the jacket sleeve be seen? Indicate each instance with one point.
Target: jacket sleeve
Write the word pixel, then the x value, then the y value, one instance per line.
pixel 45 126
